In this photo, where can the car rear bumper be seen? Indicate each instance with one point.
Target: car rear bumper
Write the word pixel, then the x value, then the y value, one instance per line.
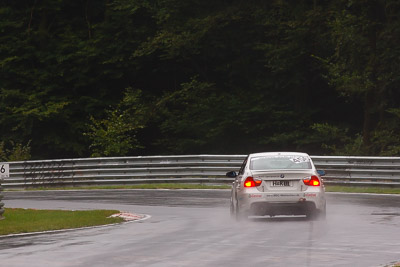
pixel 281 203
pixel 268 208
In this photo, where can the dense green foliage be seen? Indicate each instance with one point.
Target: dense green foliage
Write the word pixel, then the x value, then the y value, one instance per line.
pixel 137 77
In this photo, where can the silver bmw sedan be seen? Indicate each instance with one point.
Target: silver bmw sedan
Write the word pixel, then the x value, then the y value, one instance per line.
pixel 278 183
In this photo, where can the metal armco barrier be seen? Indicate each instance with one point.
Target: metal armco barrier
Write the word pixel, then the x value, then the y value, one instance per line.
pixel 382 171
pixel 364 171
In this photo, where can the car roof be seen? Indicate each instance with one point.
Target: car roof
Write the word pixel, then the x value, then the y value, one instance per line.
pixel 300 154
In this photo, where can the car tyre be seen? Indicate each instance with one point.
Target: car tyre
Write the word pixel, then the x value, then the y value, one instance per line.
pixel 232 209
pixel 322 213
pixel 314 214
pixel 240 215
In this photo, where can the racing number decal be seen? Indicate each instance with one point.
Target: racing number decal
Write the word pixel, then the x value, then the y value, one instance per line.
pixel 4 171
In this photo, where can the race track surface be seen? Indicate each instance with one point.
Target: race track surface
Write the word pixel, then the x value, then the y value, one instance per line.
pixel 193 228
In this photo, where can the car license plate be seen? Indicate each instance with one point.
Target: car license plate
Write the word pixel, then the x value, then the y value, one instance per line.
pixel 281 183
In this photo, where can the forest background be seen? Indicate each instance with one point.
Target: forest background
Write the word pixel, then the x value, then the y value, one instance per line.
pixel 159 77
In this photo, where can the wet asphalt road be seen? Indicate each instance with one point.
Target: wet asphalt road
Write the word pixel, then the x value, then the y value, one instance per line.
pixel 193 228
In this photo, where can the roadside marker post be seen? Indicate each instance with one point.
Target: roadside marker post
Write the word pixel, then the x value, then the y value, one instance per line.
pixel 4 173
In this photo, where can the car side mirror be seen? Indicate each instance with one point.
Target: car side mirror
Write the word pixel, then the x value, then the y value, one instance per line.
pixel 321 172
pixel 231 174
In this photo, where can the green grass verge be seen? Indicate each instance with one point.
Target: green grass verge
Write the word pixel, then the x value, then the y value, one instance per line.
pixel 362 189
pixel 28 220
pixel 137 186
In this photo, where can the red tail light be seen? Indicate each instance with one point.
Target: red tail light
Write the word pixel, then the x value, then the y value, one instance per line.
pixel 312 181
pixel 250 182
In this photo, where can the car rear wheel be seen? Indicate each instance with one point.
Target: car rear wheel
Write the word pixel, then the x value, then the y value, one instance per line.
pixel 322 213
pixel 232 209
pixel 235 211
pixel 240 215
pixel 314 214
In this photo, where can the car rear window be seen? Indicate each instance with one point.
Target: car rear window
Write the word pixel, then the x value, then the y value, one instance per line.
pixel 280 162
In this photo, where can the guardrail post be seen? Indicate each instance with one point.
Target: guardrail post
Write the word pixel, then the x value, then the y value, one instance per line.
pixel 4 172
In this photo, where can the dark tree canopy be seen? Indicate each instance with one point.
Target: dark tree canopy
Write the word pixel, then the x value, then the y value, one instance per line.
pixel 139 77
